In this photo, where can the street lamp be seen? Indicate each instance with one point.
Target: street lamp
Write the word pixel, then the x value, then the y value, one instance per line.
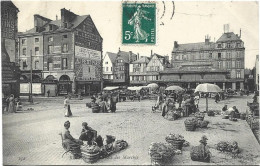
pixel 30 88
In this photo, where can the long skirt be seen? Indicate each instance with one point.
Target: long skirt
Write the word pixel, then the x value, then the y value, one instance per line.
pixel 11 108
pixel 68 111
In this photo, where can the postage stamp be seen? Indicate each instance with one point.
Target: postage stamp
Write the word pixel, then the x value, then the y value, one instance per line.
pixel 139 23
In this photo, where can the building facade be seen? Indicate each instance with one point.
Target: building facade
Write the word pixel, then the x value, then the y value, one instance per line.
pixel 9 53
pixel 227 53
pixel 156 64
pixel 69 53
pixel 257 72
pixel 138 71
pixel 121 67
pixel 108 65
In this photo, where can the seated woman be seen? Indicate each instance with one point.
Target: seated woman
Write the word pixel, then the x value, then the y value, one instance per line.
pixel 70 143
pixel 88 134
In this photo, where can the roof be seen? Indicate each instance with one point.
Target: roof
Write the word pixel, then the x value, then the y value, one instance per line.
pixel 9 4
pixel 188 70
pixel 112 56
pixel 125 56
pixel 142 60
pixel 196 64
pixel 230 36
pixel 194 46
pixel 165 61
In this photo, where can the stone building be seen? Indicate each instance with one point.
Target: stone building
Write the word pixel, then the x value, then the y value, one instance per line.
pixel 138 71
pixel 257 72
pixel 227 53
pixel 108 65
pixel 121 67
pixel 10 68
pixel 68 52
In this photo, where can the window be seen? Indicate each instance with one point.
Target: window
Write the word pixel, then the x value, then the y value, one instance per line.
pixel 65 48
pixel 219 45
pixel 106 68
pixel 24 51
pixel 229 64
pixel 228 45
pixel 219 64
pixel 238 64
pixel 238 54
pixel 36 50
pixel 36 40
pixel 50 49
pixel 50 26
pixel 23 41
pixel 219 55
pixel 65 25
pixel 36 63
pixel 238 74
pixel 106 62
pixel 50 39
pixel 24 65
pixel 238 44
pixel 64 63
pixel 65 36
pixel 89 69
pixel 210 55
pixel 228 55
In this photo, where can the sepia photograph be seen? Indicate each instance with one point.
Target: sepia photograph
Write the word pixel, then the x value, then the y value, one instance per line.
pixel 130 82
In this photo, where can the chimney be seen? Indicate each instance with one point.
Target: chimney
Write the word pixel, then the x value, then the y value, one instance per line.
pixel 66 18
pixel 175 44
pixel 56 17
pixel 151 53
pixel 240 33
pixel 207 40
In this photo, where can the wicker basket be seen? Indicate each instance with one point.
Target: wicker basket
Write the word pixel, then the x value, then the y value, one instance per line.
pixel 90 157
pixel 190 126
pixel 177 144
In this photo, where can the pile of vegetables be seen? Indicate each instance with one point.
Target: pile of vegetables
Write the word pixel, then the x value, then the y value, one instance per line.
pixel 201 152
pixel 199 115
pixel 172 137
pixel 224 146
pixel 202 123
pixel 161 152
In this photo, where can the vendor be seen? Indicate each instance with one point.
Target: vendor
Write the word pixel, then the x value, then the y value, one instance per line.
pixel 87 133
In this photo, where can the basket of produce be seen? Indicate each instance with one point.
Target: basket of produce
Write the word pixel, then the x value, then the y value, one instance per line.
pixel 202 123
pixel 201 152
pixel 224 146
pixel 190 124
pixel 199 115
pixel 175 140
pixel 211 113
pixel 161 153
pixel 243 116
pixel 90 154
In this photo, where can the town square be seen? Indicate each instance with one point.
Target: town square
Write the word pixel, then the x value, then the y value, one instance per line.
pixel 130 83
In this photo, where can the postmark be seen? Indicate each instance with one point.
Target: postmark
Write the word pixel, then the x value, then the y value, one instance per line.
pixel 139 23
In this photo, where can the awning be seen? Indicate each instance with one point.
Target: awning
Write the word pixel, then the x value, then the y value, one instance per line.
pixel 135 88
pixel 111 88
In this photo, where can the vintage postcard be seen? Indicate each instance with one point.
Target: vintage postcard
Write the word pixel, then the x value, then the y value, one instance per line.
pixel 130 82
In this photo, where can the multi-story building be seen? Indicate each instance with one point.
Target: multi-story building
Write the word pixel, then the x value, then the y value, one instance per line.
pixel 10 68
pixel 121 67
pixel 137 71
pixel 108 65
pixel 227 53
pixel 257 72
pixel 156 64
pixel 72 53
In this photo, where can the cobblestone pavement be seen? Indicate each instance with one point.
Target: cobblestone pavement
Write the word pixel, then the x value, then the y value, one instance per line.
pixel 32 137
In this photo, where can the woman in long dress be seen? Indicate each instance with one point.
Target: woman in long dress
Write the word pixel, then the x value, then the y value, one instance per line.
pixel 68 112
pixel 11 106
pixel 71 143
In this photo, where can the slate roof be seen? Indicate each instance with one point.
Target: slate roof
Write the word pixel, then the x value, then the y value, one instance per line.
pixel 194 46
pixel 112 56
pixel 142 60
pixel 125 56
pixel 230 36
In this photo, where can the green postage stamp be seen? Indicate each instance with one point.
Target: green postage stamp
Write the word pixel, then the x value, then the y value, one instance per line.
pixel 139 23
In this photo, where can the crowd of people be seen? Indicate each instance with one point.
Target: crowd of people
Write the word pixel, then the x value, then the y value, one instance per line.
pixel 12 104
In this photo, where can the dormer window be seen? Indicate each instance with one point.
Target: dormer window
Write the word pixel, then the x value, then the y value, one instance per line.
pixel 219 45
pixel 228 45
pixel 50 27
pixel 65 36
pixel 65 25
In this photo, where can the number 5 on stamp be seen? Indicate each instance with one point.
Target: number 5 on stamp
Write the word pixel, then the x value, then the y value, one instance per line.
pixel 139 23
